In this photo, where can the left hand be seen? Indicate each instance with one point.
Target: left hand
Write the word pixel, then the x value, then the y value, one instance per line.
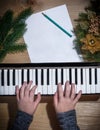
pixel 25 98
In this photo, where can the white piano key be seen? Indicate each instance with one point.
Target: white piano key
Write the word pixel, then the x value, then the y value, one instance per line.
pixel 34 79
pixel 98 81
pixel 16 77
pixel 25 75
pixel 44 86
pixel 31 77
pixel 19 77
pixel 73 75
pixel 51 82
pixel 39 87
pixel 6 87
pixel 59 75
pixel 53 78
pixel 31 74
pixel 67 72
pixel 93 80
pixel 11 87
pixel 45 77
pixel 78 86
pixel 64 77
pixel 1 90
pixel 88 87
pixel 1 87
pixel 84 82
pixel 5 77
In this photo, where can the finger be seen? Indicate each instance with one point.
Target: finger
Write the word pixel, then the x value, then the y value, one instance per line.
pixel 32 92
pixel 17 93
pixel 77 97
pixel 73 91
pixel 27 88
pixel 55 99
pixel 67 90
pixel 29 84
pixel 22 90
pixel 60 91
pixel 37 101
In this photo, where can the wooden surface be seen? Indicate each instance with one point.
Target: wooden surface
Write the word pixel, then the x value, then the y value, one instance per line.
pixel 88 112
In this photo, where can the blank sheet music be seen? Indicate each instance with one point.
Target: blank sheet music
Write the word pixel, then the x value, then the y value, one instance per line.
pixel 46 42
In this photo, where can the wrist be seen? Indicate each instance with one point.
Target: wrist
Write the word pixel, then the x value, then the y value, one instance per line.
pixel 23 120
pixel 67 119
pixel 26 114
pixel 68 111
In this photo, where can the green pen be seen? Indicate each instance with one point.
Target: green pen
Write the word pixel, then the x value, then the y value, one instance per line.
pixel 57 25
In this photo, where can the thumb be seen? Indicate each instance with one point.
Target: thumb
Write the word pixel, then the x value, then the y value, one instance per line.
pixel 55 100
pixel 37 101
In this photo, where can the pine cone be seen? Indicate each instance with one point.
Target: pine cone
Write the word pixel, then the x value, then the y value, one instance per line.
pixel 94 27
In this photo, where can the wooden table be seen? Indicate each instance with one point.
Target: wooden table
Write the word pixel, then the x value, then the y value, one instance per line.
pixel 88 112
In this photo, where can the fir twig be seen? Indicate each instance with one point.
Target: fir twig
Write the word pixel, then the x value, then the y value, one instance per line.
pixel 17 48
pixel 11 30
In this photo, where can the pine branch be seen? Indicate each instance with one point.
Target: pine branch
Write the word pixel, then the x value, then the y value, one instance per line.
pixel 79 32
pixel 22 16
pixel 15 34
pixel 77 46
pixel 82 17
pixel 11 30
pixel 16 48
pixel 5 26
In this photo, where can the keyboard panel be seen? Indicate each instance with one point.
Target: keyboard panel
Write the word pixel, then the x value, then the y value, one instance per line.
pixel 46 76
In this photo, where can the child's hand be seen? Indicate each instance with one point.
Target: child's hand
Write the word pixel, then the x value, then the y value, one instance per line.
pixel 66 100
pixel 25 98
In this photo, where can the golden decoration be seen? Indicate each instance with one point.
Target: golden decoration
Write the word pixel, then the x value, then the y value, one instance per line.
pixel 91 43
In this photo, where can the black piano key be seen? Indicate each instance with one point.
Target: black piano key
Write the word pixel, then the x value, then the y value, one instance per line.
pixel 22 75
pixel 95 75
pixel 42 77
pixel 48 77
pixel 28 75
pixel 62 78
pixel 56 76
pixel 81 76
pixel 14 79
pixel 36 76
pixel 90 76
pixel 2 77
pixel 8 78
pixel 76 76
pixel 70 75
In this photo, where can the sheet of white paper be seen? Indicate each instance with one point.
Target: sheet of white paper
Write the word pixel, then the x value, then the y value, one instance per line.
pixel 46 42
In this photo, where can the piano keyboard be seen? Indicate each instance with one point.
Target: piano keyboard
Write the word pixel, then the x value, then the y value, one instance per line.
pixel 46 76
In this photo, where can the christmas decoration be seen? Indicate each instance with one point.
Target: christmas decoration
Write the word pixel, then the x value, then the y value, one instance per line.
pixel 87 31
pixel 11 30
pixel 91 43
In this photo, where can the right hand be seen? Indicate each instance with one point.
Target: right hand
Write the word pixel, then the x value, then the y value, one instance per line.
pixel 66 100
